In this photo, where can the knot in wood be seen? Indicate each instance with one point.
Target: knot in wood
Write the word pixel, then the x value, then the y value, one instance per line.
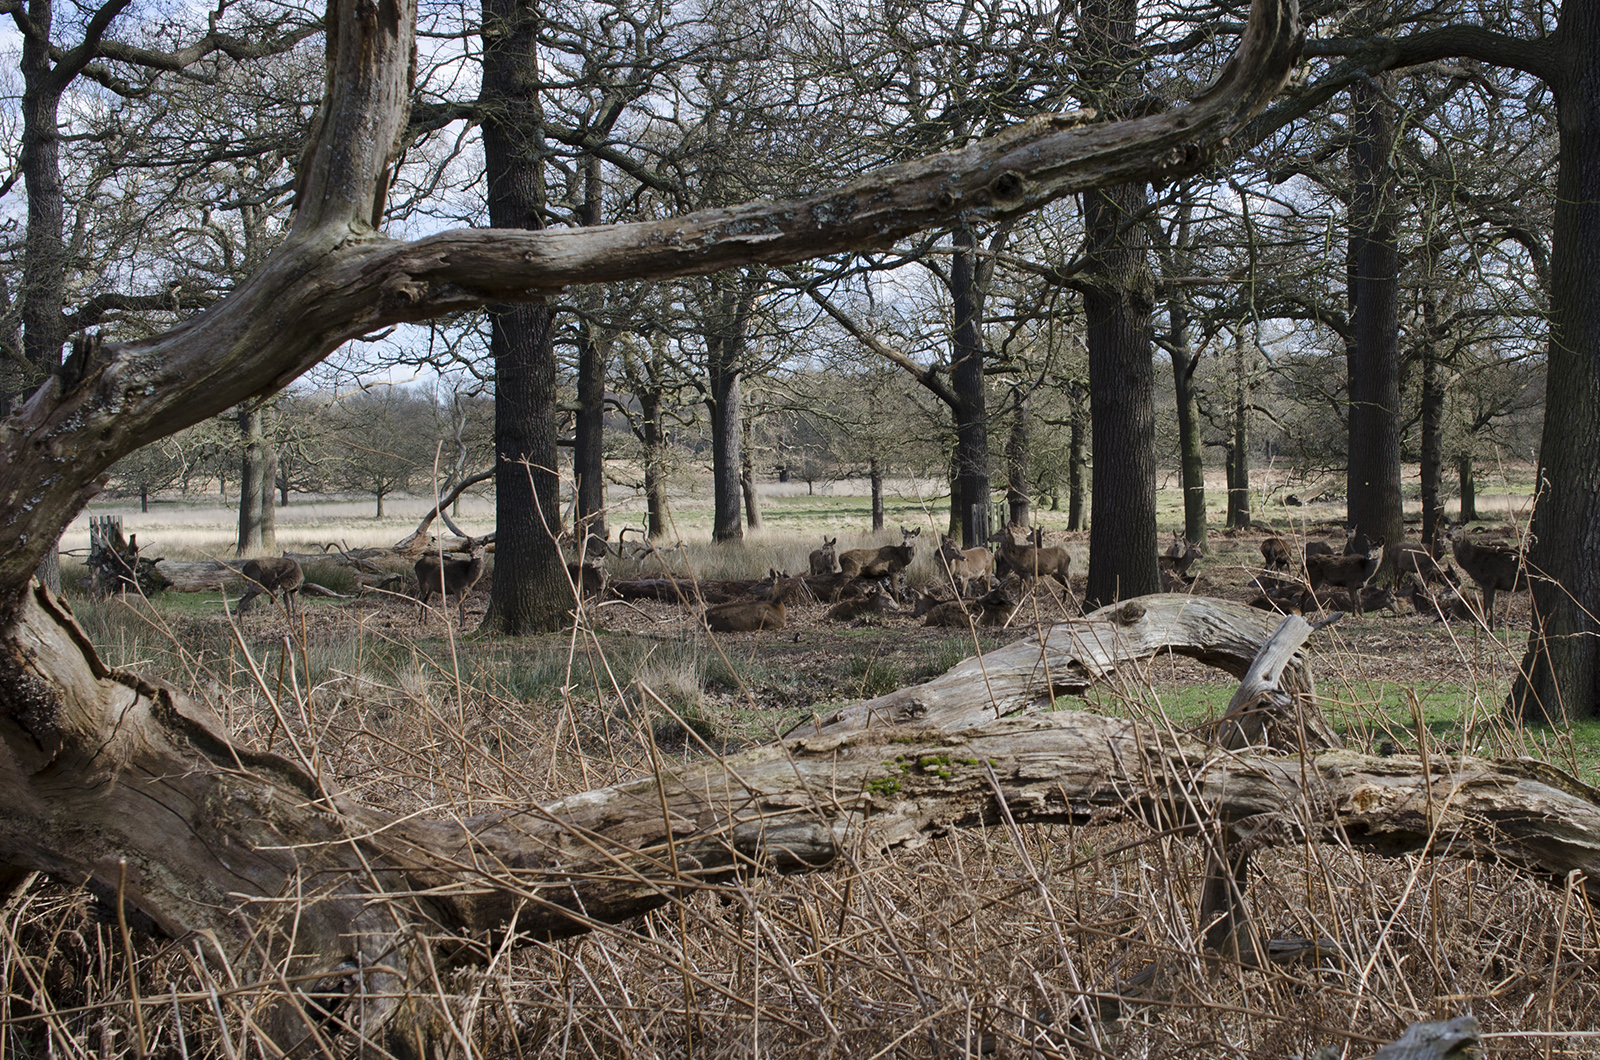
pixel 1008 188
pixel 1130 613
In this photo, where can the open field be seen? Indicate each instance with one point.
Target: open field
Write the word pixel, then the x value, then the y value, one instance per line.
pixel 999 936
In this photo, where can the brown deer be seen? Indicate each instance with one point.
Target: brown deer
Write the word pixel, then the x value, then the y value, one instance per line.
pixel 824 560
pixel 449 577
pixel 1034 561
pixel 745 616
pixel 1179 556
pixel 995 608
pixel 964 565
pixel 872 603
pixel 1424 563
pixel 1349 573
pixel 887 561
pixel 271 575
pixel 1495 568
pixel 1276 554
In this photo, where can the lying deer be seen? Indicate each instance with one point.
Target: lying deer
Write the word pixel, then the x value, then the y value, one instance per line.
pixel 1350 573
pixel 872 603
pixel 271 575
pixel 1495 568
pixel 824 559
pixel 964 565
pixel 449 577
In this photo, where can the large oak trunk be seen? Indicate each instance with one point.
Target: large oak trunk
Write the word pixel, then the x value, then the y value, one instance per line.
pixel 1563 657
pixel 1374 291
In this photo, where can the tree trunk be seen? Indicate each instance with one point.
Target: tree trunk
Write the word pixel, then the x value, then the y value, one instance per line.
pixel 1017 497
pixel 1562 664
pixel 588 456
pixel 1076 446
pixel 731 303
pixel 747 480
pixel 1118 302
pixel 44 274
pixel 254 486
pixel 1239 450
pixel 1468 488
pixel 1117 308
pixel 378 497
pixel 655 463
pixel 875 473
pixel 144 500
pixel 1374 366
pixel 971 494
pixel 1191 451
pixel 1433 394
pixel 529 591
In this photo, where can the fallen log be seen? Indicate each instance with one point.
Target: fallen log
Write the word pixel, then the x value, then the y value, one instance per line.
pixel 138 789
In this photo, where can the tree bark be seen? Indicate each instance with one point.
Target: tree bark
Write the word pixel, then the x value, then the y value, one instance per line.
pixel 1562 664
pixel 1118 302
pixel 588 456
pixel 1077 443
pixel 1239 449
pixel 1017 495
pixel 254 486
pixel 1432 416
pixel 1191 451
pixel 747 480
pixel 875 474
pixel 1467 485
pixel 971 494
pixel 732 300
pixel 1117 311
pixel 529 591
pixel 1374 366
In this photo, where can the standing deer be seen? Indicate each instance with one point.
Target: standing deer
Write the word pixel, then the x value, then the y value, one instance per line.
pixel 1035 561
pixel 824 559
pixel 1495 568
pixel 1276 554
pixel 964 565
pixel 888 561
pixel 449 577
pixel 271 575
pixel 1350 573
pixel 1179 556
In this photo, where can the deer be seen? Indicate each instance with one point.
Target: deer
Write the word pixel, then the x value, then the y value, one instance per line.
pixel 1350 573
pixel 872 603
pixel 1034 561
pixel 449 577
pixel 824 560
pixel 1179 557
pixel 1494 568
pixel 887 561
pixel 271 575
pixel 1424 563
pixel 964 565
pixel 1276 554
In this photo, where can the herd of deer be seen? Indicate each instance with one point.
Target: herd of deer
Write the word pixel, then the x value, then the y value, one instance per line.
pixel 1493 567
pixel 988 585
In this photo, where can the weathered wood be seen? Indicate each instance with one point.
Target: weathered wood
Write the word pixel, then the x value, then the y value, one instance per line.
pixel 200 576
pixel 1457 1039
pixel 102 768
pixel 1069 657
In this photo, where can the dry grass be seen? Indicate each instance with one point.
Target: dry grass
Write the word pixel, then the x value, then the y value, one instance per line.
pixel 1002 940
